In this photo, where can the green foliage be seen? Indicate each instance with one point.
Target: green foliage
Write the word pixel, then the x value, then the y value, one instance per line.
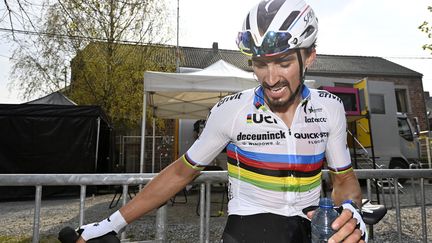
pixel 426 28
pixel 112 76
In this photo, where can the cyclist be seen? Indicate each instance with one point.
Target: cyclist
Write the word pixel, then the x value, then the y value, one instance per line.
pixel 277 136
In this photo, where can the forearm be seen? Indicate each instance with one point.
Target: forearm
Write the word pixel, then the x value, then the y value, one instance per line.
pixel 159 190
pixel 346 186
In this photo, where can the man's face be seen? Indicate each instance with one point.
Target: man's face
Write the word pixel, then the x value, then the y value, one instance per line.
pixel 280 76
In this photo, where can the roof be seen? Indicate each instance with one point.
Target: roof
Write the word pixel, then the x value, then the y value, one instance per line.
pixel 203 57
pixel 51 110
pixel 361 65
pixel 55 98
pixel 324 65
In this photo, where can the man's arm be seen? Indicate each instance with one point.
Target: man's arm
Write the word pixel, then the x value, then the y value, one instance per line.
pixel 346 187
pixel 159 190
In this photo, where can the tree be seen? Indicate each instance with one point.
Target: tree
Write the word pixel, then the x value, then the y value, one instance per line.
pixel 427 28
pixel 112 32
pixel 118 88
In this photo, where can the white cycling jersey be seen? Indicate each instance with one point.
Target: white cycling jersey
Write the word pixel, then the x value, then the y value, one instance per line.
pixel 274 168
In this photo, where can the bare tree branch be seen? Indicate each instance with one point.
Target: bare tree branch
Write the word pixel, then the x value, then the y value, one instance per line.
pixel 10 17
pixel 100 37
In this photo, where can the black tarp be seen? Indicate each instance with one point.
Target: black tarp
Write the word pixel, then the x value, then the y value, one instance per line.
pixel 41 139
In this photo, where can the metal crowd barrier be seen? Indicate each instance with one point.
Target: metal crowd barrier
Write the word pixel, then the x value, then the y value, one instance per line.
pixel 205 180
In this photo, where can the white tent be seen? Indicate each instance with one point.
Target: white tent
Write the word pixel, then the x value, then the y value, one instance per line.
pixel 190 95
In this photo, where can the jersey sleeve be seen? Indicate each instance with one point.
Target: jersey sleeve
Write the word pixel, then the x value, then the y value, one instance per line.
pixel 213 139
pixel 337 152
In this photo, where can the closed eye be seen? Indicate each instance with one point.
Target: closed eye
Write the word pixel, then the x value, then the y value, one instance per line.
pixel 259 64
pixel 285 64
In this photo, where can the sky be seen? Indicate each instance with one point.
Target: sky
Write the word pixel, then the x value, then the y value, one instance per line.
pixel 384 28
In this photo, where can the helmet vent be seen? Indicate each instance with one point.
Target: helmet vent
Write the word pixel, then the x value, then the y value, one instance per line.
pixel 288 21
pixel 308 31
pixel 267 10
pixel 248 22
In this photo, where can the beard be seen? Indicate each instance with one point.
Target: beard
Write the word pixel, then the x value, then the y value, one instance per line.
pixel 281 104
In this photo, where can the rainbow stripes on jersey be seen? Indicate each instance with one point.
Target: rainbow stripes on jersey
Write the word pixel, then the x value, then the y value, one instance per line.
pixel 275 172
pixel 190 163
pixel 342 170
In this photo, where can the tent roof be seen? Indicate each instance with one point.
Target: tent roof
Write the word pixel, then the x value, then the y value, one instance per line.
pixel 220 76
pixel 192 95
pixel 49 110
pixel 55 98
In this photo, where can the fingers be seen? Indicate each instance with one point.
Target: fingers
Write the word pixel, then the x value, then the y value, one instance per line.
pixel 354 237
pixel 345 227
pixel 343 218
pixel 309 209
pixel 310 214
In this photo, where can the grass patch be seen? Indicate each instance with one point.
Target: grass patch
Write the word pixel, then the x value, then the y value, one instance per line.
pixel 22 239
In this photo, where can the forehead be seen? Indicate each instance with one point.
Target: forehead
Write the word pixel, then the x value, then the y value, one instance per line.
pixel 289 56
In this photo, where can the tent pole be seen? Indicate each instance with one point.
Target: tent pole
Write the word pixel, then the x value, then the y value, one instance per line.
pixel 143 127
pixel 153 145
pixel 97 142
pixel 177 45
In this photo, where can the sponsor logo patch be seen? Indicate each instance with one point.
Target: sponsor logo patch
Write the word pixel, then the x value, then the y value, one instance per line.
pixel 261 136
pixel 229 98
pixel 313 135
pixel 312 110
pixel 260 118
pixel 315 119
pixel 326 94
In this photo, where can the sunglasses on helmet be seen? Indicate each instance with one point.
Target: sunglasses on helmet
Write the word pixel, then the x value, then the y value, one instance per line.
pixel 273 43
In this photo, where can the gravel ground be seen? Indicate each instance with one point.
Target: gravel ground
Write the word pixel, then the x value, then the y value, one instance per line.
pixel 183 223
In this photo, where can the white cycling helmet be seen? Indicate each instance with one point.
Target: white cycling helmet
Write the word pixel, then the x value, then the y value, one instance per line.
pixel 277 26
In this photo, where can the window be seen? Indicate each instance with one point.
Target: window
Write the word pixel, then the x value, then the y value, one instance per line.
pixel 348 85
pixel 349 97
pixel 405 130
pixel 377 104
pixel 401 100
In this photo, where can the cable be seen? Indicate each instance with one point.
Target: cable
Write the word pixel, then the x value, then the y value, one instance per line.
pixel 28 32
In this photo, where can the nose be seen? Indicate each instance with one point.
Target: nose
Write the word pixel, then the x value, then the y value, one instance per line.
pixel 272 75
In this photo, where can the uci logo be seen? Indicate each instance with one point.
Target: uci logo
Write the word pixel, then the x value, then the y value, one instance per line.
pixel 260 118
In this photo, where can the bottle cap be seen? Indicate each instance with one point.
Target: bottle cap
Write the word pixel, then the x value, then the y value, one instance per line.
pixel 326 202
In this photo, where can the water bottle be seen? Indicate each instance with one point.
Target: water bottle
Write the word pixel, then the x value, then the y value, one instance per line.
pixel 322 220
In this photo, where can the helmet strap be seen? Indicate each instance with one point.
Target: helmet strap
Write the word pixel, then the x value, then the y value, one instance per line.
pixel 302 72
pixel 302 78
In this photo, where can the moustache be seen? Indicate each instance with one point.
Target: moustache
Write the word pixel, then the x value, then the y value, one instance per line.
pixel 277 85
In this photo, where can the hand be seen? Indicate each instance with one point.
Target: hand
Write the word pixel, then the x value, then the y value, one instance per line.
pixel 349 224
pixel 69 235
pixel 110 226
pixel 346 228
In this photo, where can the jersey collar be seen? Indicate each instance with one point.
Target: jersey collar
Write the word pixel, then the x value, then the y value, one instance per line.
pixel 259 102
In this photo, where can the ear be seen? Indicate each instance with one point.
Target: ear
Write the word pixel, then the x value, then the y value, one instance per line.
pixel 311 58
